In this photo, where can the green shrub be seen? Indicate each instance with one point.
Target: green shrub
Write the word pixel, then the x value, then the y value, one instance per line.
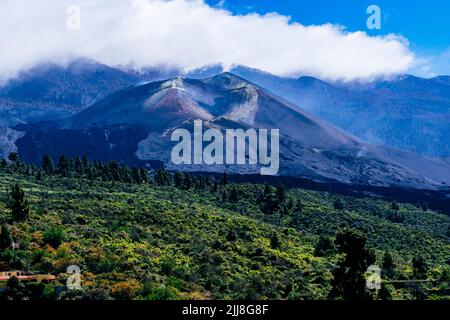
pixel 54 236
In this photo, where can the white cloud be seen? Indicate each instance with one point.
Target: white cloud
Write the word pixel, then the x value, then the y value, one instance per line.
pixel 432 65
pixel 189 34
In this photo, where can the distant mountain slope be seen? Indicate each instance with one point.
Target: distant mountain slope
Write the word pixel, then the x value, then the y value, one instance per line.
pixel 135 125
pixel 406 112
pixel 8 138
pixel 52 91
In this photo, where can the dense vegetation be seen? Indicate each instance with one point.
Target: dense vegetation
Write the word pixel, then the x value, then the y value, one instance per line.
pixel 139 234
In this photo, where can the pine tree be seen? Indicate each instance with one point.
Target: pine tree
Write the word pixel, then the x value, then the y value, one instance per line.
pixel 338 204
pixel 105 175
pixel 234 194
pixel 47 164
pixel 202 182
pixel 281 193
pixel 224 196
pixel 71 163
pixel 18 204
pixel 91 173
pixel 159 180
pixel 215 187
pixel 15 160
pixel 388 265
pixel 267 190
pixel 15 290
pixel 113 170
pixel 385 293
pixel 187 182
pixel 349 281
pixel 125 174
pixel 3 164
pixel 86 163
pixel 79 168
pixel 39 175
pixel 275 241
pixel 298 206
pixel 324 246
pixel 5 237
pixel 136 176
pixel 231 235
pixel 144 175
pixel 63 166
pixel 178 178
pixel 14 157
pixel 225 179
pixel 420 267
pixel 395 206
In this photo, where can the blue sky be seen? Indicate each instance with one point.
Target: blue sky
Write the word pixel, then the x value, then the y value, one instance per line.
pixel 425 23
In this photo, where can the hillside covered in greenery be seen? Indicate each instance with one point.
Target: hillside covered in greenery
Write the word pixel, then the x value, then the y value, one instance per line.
pixel 138 234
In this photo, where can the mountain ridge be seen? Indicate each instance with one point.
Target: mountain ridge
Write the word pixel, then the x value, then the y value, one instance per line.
pixel 53 91
pixel 406 112
pixel 310 147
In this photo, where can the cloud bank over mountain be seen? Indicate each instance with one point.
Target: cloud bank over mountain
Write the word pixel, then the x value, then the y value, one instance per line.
pixel 189 34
